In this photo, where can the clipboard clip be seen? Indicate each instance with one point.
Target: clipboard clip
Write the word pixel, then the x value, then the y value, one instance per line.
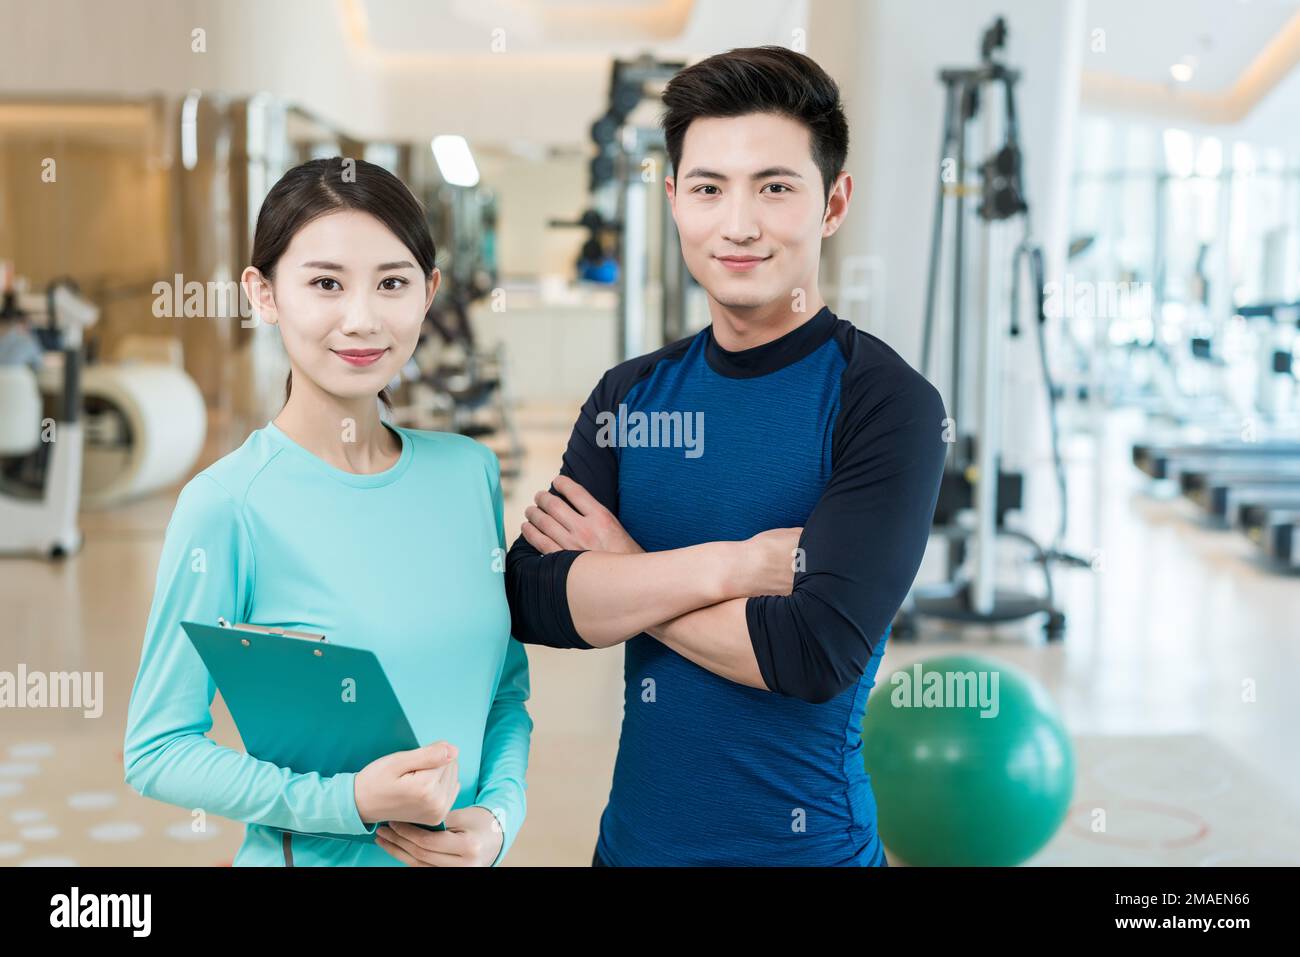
pixel 282 632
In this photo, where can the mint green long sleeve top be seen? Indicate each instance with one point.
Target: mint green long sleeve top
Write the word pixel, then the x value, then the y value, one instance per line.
pixel 407 563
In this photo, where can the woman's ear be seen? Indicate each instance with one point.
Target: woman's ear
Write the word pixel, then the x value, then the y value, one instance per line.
pixel 431 287
pixel 260 295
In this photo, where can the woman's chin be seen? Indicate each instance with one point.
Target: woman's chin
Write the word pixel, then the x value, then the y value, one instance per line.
pixel 358 388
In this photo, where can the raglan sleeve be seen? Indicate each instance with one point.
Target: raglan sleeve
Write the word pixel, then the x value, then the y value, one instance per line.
pixel 536 584
pixel 863 543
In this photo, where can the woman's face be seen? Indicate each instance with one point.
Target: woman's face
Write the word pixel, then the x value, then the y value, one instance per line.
pixel 349 299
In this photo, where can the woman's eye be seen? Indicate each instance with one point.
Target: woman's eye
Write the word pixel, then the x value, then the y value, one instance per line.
pixel 397 280
pixel 322 283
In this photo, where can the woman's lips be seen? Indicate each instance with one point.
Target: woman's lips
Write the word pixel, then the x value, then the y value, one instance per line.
pixel 359 357
pixel 741 263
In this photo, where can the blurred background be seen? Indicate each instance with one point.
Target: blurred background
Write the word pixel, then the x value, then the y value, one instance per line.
pixel 1134 389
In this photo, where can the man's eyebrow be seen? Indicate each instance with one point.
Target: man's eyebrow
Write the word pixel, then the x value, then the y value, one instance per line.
pixel 775 171
pixel 382 267
pixel 701 172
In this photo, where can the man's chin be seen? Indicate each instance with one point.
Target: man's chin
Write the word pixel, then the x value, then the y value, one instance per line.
pixel 731 299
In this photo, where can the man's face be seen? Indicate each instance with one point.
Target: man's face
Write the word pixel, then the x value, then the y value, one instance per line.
pixel 750 208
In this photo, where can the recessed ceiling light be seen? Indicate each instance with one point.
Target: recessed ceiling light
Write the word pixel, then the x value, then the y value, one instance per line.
pixel 1182 72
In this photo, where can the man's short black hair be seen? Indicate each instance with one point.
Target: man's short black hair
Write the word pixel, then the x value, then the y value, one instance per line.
pixel 768 79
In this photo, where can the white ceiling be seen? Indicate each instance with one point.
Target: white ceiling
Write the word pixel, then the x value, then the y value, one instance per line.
pixel 405 28
pixel 1144 38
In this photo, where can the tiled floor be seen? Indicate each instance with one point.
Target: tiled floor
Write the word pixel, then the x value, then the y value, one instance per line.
pixel 1149 681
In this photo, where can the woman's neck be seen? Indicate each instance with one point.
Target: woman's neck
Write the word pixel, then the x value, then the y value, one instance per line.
pixel 346 433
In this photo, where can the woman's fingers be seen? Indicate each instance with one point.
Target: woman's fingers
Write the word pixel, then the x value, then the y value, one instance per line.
pixel 432 848
pixel 397 852
pixel 441 842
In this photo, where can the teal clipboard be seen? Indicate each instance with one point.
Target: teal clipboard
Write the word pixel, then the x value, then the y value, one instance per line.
pixel 305 704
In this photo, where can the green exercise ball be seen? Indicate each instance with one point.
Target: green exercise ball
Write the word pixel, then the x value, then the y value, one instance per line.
pixel 956 788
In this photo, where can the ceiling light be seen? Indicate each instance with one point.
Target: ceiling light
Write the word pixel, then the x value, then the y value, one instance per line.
pixel 455 161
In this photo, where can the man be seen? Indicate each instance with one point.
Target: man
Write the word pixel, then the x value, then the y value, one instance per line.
pixel 747 661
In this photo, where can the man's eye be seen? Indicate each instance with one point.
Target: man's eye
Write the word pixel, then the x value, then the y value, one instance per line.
pixel 701 189
pixel 394 279
pixel 326 279
pixel 781 186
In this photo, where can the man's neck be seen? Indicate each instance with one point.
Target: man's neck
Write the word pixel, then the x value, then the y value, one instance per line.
pixel 738 328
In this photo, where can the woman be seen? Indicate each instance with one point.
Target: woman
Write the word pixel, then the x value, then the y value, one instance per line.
pixel 332 521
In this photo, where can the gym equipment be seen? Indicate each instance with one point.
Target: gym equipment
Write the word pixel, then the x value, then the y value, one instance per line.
pixel 1251 479
pixel 1222 493
pixel 970 763
pixel 1276 530
pixel 629 207
pixel 46 523
pixel 145 425
pixel 457 384
pixel 973 481
pixel 1167 461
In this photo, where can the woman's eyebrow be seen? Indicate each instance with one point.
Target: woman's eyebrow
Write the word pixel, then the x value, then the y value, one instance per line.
pixel 382 267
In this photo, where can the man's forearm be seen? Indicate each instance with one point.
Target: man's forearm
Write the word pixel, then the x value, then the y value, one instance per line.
pixel 613 597
pixel 717 639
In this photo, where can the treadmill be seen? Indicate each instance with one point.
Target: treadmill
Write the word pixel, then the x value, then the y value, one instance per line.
pixel 1220 488
pixel 1254 485
pixel 1170 461
pixel 1275 530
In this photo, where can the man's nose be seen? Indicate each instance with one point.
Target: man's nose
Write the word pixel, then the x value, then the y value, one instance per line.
pixel 740 224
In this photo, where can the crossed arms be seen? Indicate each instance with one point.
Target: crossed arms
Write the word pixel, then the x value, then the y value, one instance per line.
pixel 576 579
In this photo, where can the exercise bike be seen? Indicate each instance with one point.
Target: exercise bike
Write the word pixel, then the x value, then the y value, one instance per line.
pixel 46 523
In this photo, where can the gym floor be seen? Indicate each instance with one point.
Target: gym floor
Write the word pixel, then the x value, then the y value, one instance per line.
pixel 1165 635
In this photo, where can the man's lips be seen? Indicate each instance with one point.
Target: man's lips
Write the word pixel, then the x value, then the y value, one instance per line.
pixel 741 263
pixel 359 357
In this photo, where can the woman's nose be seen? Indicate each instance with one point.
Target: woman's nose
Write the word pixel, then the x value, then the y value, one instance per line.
pixel 358 316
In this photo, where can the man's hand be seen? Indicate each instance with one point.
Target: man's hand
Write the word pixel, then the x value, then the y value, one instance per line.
pixel 580 524
pixel 473 838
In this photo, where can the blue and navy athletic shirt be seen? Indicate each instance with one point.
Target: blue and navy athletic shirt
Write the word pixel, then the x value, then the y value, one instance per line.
pixel 825 428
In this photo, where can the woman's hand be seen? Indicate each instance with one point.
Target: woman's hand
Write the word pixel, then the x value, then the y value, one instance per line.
pixel 579 524
pixel 472 839
pixel 418 785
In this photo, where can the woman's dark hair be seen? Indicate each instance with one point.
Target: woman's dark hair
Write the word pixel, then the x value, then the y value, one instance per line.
pixel 323 186
pixel 768 79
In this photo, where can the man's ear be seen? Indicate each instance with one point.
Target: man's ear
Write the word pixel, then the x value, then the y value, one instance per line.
pixel 260 295
pixel 837 204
